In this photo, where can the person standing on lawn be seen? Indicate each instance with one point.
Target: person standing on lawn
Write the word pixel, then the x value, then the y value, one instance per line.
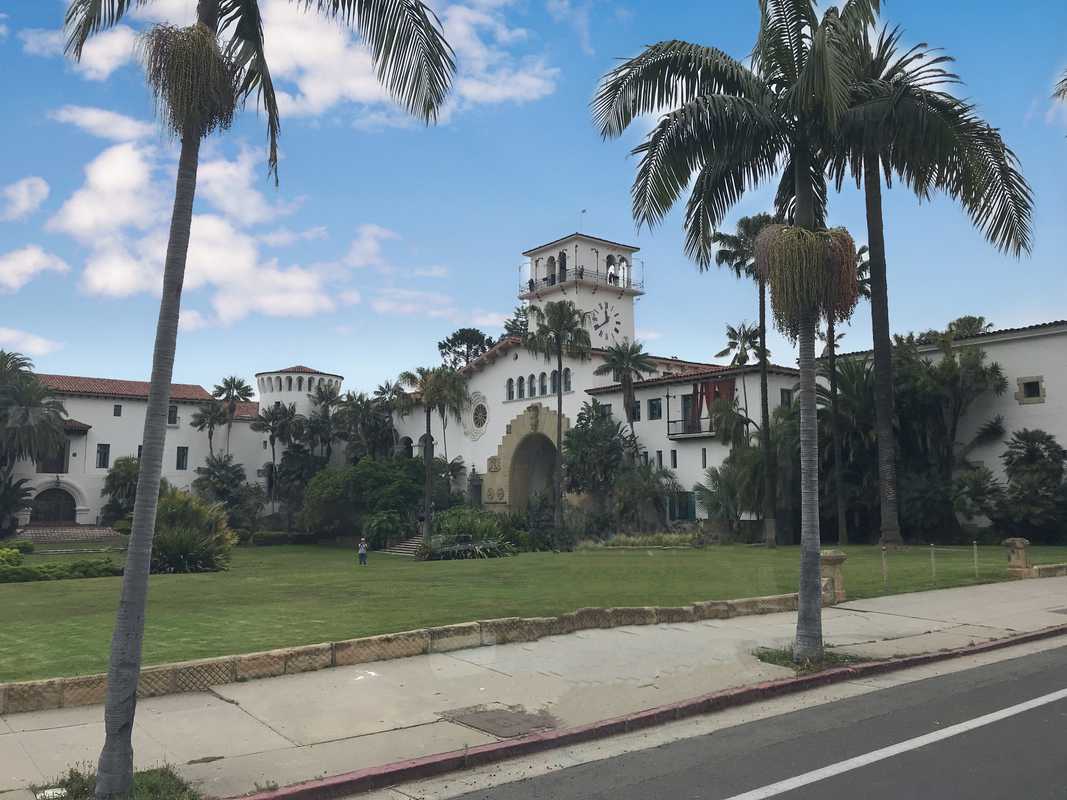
pixel 362 548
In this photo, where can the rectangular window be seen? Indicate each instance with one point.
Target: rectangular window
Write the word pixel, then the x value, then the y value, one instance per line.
pixel 687 406
pixel 644 457
pixel 787 397
pixel 704 457
pixel 103 456
pixel 605 409
pixel 1031 389
pixel 116 410
pixel 183 458
pixel 655 408
pixel 635 411
pixel 682 506
pixel 172 415
pixel 140 447
pixel 659 458
pixel 674 459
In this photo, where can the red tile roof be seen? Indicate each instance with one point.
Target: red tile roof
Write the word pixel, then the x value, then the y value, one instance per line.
pixel 717 371
pixel 299 369
pixel 74 426
pixel 110 387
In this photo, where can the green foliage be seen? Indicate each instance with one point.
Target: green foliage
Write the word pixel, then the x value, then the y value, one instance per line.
pixel 463 346
pixel 24 546
pixel 593 452
pixel 659 539
pixel 15 496
pixel 383 528
pixel 519 323
pixel 329 505
pixel 220 479
pixel 734 488
pixel 162 783
pixel 10 557
pixel 192 535
pixel 58 571
pixel 120 488
pixel 642 494
pixel 1033 504
pixel 31 420
pixel 337 499
pixel 465 532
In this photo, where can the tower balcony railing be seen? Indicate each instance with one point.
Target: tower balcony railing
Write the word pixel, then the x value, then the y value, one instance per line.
pixel 582 275
pixel 690 428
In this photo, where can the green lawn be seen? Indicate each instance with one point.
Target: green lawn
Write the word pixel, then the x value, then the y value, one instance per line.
pixel 281 596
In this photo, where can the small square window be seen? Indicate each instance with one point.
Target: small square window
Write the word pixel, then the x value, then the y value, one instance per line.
pixel 1031 390
pixel 183 459
pixel 116 410
pixel 655 408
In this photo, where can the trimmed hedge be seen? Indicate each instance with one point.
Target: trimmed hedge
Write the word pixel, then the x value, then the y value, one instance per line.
pixel 10 557
pixel 86 568
pixel 24 546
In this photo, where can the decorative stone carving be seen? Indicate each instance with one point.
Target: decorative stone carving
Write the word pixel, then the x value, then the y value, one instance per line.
pixel 831 568
pixel 1018 557
pixel 493 464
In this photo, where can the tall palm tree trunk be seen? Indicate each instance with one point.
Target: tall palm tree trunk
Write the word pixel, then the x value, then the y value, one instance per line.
pixel 883 354
pixel 770 501
pixel 809 601
pixel 427 494
pixel 211 442
pixel 557 471
pixel 114 775
pixel 273 475
pixel 835 436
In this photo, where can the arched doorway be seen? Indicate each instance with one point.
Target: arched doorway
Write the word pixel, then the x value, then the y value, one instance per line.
pixel 406 449
pixel 532 467
pixel 53 507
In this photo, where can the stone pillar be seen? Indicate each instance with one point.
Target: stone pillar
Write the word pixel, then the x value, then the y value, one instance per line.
pixel 1018 557
pixel 831 561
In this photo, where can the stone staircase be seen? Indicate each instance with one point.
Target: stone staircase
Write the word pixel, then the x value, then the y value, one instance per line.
pixel 408 547
pixel 72 538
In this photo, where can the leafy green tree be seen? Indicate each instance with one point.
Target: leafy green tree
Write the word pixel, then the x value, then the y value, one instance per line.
pixel 642 488
pixel 366 424
pixel 732 126
pixel 220 480
pixel 1034 502
pixel 738 252
pixel 15 496
pixel 296 469
pixel 120 488
pixel 230 392
pixel 732 489
pixel 900 121
pixel 594 450
pixel 627 362
pixel 208 417
pixel 198 84
pixel 519 323
pixel 463 346
pixel 561 330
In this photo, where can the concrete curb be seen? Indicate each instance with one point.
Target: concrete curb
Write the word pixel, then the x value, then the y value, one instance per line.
pixel 380 777
pixel 197 676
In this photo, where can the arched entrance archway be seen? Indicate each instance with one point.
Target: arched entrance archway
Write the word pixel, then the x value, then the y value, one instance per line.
pixel 406 448
pixel 53 507
pixel 532 468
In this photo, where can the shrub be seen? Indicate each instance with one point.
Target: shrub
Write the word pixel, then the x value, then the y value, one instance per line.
pixel 192 535
pixel 24 546
pixel 383 527
pixel 465 532
pixel 88 568
pixel 337 499
pixel 10 557
pixel 643 540
pixel 271 538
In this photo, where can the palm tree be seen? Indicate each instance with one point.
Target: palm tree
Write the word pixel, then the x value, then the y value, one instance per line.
pixel 626 361
pixel 325 398
pixel 277 423
pixel 452 399
pixel 900 121
pixel 561 330
pixel 13 367
pixel 31 421
pixel 731 128
pixel 738 252
pixel 432 391
pixel 1060 92
pixel 231 391
pixel 742 341
pixel 198 82
pixel 208 417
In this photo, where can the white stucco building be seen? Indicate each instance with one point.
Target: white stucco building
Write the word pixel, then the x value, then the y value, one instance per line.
pixel 507 434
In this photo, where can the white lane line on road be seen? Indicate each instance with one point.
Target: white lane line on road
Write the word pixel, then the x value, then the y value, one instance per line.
pixel 821 774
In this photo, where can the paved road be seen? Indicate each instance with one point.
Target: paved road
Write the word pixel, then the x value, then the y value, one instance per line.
pixel 1023 755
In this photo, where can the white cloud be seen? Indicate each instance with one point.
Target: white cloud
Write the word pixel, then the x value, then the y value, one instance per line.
pixel 192 320
pixel 4 30
pixel 289 292
pixel 118 192
pixel 113 271
pixel 19 267
pixel 489 319
pixel 22 198
pixel 577 16
pixel 27 343
pixel 436 305
pixel 103 53
pixel 283 237
pixel 103 123
pixel 366 248
pixel 230 187
pixel 350 297
pixel 648 334
pixel 436 271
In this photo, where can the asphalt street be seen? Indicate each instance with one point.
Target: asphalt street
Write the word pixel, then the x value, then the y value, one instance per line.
pixel 1004 729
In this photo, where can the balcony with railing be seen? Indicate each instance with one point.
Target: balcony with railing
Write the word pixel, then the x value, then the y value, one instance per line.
pixel 690 428
pixel 614 279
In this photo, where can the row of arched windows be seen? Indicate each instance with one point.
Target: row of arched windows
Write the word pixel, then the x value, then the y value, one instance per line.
pixel 276 383
pixel 537 385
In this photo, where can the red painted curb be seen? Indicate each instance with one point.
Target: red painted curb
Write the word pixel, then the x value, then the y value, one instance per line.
pixel 385 775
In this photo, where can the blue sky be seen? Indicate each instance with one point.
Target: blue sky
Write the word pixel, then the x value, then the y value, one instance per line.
pixel 385 235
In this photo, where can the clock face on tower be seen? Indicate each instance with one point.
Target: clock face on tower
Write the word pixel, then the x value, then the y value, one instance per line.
pixel 606 321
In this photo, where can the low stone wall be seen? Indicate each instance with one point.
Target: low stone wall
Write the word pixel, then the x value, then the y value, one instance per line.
pixel 194 676
pixel 1048 570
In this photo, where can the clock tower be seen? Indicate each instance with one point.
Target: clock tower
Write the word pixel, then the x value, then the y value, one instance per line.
pixel 597 275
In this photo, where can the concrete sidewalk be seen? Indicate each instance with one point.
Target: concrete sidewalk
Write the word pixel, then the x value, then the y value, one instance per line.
pixel 283 730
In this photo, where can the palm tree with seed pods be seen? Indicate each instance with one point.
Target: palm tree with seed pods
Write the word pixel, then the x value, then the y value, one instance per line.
pixel 730 127
pixel 200 75
pixel 900 121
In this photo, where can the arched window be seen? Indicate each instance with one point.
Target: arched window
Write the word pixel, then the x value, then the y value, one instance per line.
pixel 288 383
pixel 522 388
pixel 624 271
pixel 555 381
pixel 311 382
pixel 278 383
pixel 531 384
pixel 550 271
pixel 407 449
pixel 300 383
pixel 613 271
pixel 562 266
pixel 566 379
pixel 511 389
pixel 543 384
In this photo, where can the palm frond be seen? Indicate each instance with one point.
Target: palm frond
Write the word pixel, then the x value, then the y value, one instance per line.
pixel 87 17
pixel 414 61
pixel 1060 92
pixel 667 75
